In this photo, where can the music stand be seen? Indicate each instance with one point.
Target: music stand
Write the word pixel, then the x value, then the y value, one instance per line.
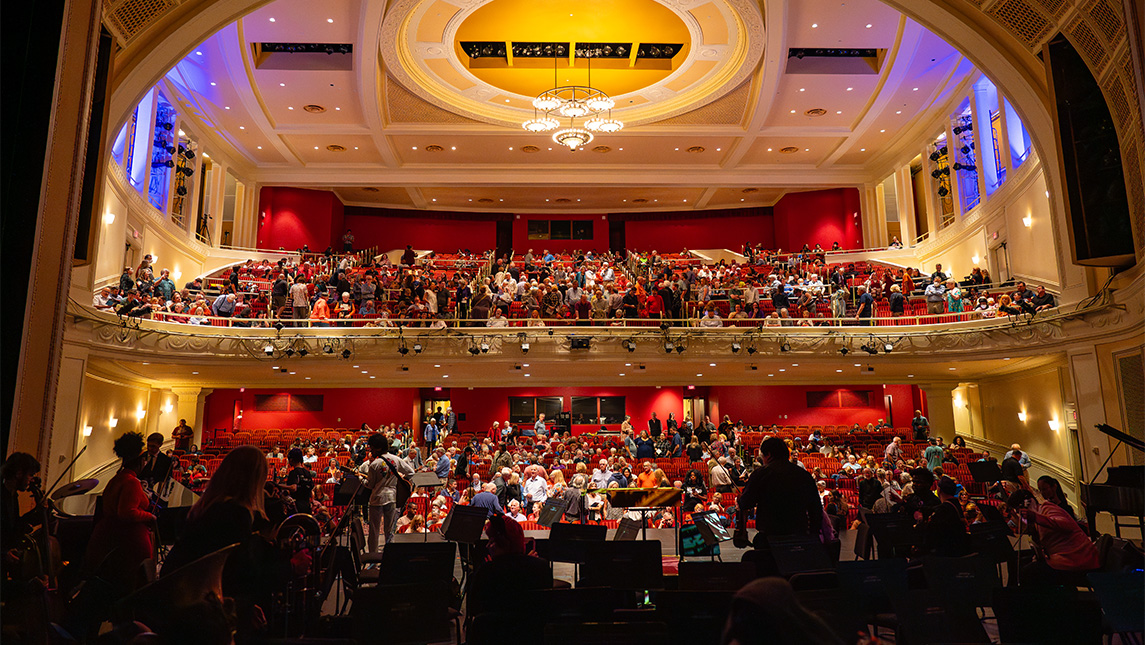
pixel 635 565
pixel 404 561
pixel 569 542
pixel 464 524
pixel 425 480
pixel 985 472
pixel 628 529
pixel 711 529
pixel 552 511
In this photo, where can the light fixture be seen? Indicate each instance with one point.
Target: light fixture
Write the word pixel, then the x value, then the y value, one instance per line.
pixel 870 349
pixel 417 348
pixel 108 218
pixel 668 347
pixel 1055 425
pixel 630 345
pixel 751 350
pixel 345 353
pixel 573 102
pixel 87 431
pixel 1022 417
pixel 112 422
pixel 303 352
pixel 844 351
pixel 735 348
pixel 402 349
pixel 573 138
pixel 484 348
pixel 785 346
pixel 473 349
pixel 328 348
pixel 167 408
pixel 1027 221
pixel 268 350
pixel 680 349
pixel 888 347
pixel 524 348
pixel 975 258
pixel 140 413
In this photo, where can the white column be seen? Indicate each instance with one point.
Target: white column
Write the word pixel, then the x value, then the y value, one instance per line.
pixel 904 193
pixel 190 407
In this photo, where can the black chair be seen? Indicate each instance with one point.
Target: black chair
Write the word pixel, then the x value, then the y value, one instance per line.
pixel 714 576
pixel 605 633
pixel 1048 615
pixel 692 616
pixel 970 581
pixel 626 565
pixel 582 604
pixel 872 585
pixel 863 541
pixel 408 613
pixel 930 617
pixel 403 561
pixel 814 580
pixel 799 554
pixel 1122 595
pixel 838 609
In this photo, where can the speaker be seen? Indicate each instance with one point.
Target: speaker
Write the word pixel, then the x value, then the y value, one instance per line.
pixel 1099 219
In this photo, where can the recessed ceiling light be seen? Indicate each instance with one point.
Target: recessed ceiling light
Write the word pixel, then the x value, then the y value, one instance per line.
pixel 953 368
pixel 782 369
pixel 622 150
pixel 294 372
pixel 795 364
pixel 415 147
pixel 793 112
pixel 807 150
pixel 621 374
pixel 290 107
pixel 741 199
pixel 213 83
pixel 194 372
pixel 699 374
pixel 850 88
pixel 182 134
pixel 882 130
pixel 711 364
pixel 862 149
pixel 803 89
pixel 355 147
pixel 260 147
pixel 338 109
pixel 272 19
pixel 226 107
pixel 453 147
pixel 838 111
pixel 435 199
pixel 916 89
pixel 814 25
pixel 282 84
pixel 198 53
pixel 329 20
pixel 355 367
pixel 242 128
pixel 506 100
pixel 769 149
pixel 868 25
pixel 444 376
pixel 910 375
pixel 839 371
pixel 771 375
pixel 718 149
pixel 373 377
pixel 677 149
pixel 307 378
pixel 315 147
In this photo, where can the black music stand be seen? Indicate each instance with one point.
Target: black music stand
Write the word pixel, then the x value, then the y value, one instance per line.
pixel 628 529
pixel 711 530
pixel 552 512
pixel 569 542
pixel 464 524
pixel 404 561
pixel 637 565
pixel 985 472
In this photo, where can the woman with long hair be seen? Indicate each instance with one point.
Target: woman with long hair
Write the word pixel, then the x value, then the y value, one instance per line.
pixel 122 538
pixel 695 491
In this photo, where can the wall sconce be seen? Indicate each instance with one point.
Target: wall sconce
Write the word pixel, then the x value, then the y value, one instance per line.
pixel 1055 425
pixel 1022 417
pixel 176 274
pixel 113 422
pixel 140 413
pixel 1028 221
pixel 975 259
pixel 167 408
pixel 108 218
pixel 87 431
pixel 154 257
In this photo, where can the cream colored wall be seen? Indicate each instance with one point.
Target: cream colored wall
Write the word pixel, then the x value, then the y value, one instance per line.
pixel 104 399
pixel 1039 395
pixel 109 246
pixel 1032 253
pixel 183 263
pixel 958 260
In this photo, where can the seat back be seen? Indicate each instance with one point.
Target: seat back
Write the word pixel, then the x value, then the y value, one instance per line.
pixel 970 580
pixel 1047 614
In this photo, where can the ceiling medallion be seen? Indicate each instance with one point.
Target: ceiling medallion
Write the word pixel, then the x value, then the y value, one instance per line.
pixel 314 109
pixel 789 150
pixel 602 149
pixel 530 149
pixel 434 148
pixel 695 149
pixel 749 191
pixel 336 148
pixel 815 112
pixel 573 102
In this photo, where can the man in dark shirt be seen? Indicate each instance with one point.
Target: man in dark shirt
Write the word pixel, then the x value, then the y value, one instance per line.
pixel 1012 472
pixel 784 497
pixel 278 292
pixel 408 256
pixel 1042 300
pixel 487 499
pixel 866 306
pixel 654 427
pixel 944 533
pixel 870 489
pixel 299 481
pixel 938 273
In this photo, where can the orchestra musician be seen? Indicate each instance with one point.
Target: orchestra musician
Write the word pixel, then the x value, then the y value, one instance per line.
pixel 380 474
pixel 124 532
pixel 156 466
pixel 18 473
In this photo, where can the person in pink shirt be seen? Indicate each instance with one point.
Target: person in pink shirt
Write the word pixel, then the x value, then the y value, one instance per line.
pixel 1064 552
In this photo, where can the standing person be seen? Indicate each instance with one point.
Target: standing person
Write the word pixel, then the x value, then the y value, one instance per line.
pixel 348 241
pixel 300 299
pixel 920 425
pixel 299 481
pixel 866 307
pixel 155 466
pixel 122 538
pixel 1013 475
pixel 183 435
pixel 654 427
pixel 381 475
pixel 449 421
pixel 934 454
pixel 784 496
pixel 278 293
pixel 539 426
pixel 431 433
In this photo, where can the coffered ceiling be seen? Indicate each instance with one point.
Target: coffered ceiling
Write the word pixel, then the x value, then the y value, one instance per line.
pixel 409 114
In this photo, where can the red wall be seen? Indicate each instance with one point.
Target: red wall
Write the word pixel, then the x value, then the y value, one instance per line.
pixel 703 231
pixel 819 217
pixel 291 217
pixel 389 229
pixel 787 405
pixel 349 408
pixel 341 408
pixel 522 243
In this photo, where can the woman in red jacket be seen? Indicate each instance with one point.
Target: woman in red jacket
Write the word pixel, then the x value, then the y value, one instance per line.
pixel 122 538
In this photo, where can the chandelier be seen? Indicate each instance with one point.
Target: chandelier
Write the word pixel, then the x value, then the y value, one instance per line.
pixel 573 102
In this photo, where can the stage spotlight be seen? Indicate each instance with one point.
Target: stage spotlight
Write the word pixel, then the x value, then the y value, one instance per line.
pixel 473 350
pixel 417 348
pixel 268 350
pixel 328 348
pixel 402 349
pixel 303 352
pixel 785 347
pixel 484 348
pixel 844 351
pixel 751 350
pixel 870 349
pixel 680 349
pixel 524 348
pixel 289 351
pixel 345 353
pixel 664 326
pixel 278 325
pixel 888 347
pixel 735 348
pixel 668 347
pixel 630 345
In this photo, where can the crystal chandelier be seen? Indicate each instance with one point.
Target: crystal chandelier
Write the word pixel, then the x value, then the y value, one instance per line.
pixel 573 102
